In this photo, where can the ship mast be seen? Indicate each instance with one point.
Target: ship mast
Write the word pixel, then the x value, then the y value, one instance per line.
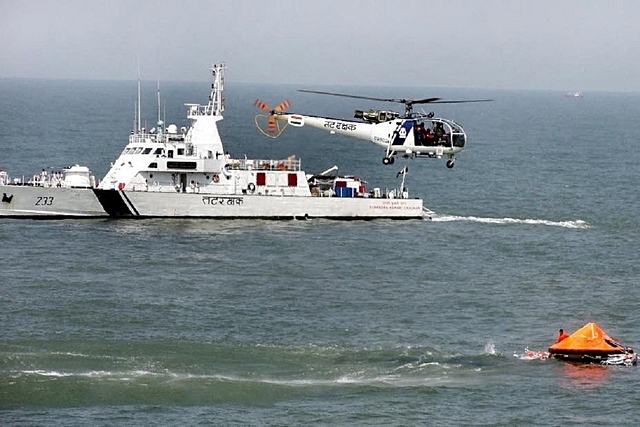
pixel 216 102
pixel 159 100
pixel 139 119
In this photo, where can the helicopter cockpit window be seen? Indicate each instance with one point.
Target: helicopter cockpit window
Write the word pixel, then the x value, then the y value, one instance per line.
pixel 459 139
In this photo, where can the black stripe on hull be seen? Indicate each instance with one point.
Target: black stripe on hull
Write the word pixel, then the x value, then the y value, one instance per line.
pixel 114 204
pixel 129 204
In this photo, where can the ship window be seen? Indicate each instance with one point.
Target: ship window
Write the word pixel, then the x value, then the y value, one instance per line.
pixel 138 150
pixel 147 150
pixel 292 180
pixel 158 151
pixel 153 165
pixel 261 178
pixel 182 165
pixel 170 154
pixel 180 151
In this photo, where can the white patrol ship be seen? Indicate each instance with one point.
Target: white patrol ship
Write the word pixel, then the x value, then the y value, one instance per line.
pixel 51 193
pixel 168 172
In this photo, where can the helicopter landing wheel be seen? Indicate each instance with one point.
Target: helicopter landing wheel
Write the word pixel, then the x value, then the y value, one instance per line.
pixel 387 160
pixel 450 164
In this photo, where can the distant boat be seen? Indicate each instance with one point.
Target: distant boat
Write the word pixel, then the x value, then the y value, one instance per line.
pixel 576 94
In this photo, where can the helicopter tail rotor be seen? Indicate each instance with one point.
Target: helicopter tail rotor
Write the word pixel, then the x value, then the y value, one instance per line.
pixel 274 129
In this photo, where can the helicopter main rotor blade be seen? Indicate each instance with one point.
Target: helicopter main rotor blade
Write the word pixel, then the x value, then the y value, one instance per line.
pixel 459 102
pixel 422 101
pixel 433 100
pixel 396 100
pixel 351 96
pixel 372 98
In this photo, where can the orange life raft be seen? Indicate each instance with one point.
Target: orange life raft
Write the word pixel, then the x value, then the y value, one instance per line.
pixel 590 344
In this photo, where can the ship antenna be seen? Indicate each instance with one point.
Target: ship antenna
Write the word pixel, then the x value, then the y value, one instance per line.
pixel 135 118
pixel 139 114
pixel 158 99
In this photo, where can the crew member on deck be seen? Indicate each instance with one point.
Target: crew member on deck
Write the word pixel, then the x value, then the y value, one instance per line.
pixel 561 335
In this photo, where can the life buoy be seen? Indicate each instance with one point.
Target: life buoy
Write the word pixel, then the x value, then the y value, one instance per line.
pixel 216 178
pixel 251 187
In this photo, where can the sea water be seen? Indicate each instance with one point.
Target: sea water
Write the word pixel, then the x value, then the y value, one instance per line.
pixel 150 322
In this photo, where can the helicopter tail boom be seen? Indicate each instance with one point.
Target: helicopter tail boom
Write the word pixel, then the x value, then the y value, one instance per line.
pixel 334 126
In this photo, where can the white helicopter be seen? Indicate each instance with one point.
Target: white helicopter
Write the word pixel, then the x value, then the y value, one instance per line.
pixel 412 135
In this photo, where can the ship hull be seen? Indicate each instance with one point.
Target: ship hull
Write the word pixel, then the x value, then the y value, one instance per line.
pixel 141 204
pixel 25 201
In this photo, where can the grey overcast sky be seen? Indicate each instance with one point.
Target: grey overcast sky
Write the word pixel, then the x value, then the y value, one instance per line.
pixel 511 44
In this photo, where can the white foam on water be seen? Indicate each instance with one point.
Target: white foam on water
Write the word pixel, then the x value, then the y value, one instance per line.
pixel 92 374
pixel 47 373
pixel 566 224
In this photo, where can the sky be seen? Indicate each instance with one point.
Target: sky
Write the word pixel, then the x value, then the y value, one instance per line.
pixel 588 45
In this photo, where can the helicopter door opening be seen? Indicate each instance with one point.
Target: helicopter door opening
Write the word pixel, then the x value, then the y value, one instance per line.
pixel 423 134
pixel 433 133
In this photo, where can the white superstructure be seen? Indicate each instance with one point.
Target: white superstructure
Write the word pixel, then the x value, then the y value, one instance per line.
pixel 171 172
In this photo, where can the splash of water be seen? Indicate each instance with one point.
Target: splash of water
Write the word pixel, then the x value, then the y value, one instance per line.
pixel 490 348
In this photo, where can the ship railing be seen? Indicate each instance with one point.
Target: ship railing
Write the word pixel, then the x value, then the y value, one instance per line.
pixel 142 138
pixel 195 110
pixel 266 164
